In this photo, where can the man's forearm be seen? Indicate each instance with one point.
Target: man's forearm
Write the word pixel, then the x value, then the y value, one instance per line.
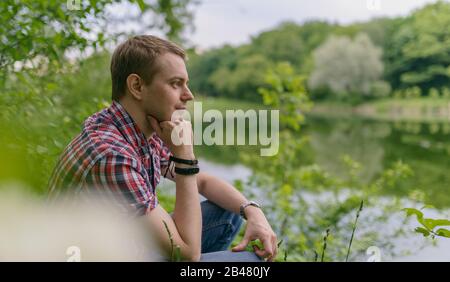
pixel 220 192
pixel 187 213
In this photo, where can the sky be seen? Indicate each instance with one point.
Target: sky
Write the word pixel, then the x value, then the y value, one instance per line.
pixel 219 22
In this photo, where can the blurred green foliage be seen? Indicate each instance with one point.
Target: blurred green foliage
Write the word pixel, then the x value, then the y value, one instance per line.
pixel 46 94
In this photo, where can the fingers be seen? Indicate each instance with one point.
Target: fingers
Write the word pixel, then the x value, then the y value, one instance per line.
pixel 167 125
pixel 162 128
pixel 260 253
pixel 241 246
pixel 270 248
pixel 275 246
pixel 268 251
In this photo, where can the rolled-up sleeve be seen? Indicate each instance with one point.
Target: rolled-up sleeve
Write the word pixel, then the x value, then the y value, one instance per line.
pixel 126 178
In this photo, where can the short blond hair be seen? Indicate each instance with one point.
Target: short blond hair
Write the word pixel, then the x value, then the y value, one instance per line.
pixel 137 55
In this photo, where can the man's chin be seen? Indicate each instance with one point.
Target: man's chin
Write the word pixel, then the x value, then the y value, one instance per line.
pixel 179 113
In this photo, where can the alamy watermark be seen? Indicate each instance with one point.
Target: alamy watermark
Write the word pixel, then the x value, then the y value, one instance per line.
pixel 374 254
pixel 73 253
pixel 213 134
pixel 373 5
pixel 73 4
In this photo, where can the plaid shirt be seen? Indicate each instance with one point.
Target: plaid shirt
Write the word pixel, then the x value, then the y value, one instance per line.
pixel 112 153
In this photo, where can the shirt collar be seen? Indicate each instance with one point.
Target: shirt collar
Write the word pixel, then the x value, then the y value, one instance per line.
pixel 129 129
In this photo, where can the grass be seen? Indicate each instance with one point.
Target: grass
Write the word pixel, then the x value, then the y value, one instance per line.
pixel 324 248
pixel 175 253
pixel 354 229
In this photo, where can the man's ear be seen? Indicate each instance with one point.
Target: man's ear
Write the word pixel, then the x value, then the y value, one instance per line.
pixel 135 86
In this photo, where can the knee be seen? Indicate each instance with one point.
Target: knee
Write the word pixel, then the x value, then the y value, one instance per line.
pixel 220 225
pixel 220 215
pixel 231 225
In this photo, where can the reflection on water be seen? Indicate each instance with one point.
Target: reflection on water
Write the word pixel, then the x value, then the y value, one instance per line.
pixel 424 147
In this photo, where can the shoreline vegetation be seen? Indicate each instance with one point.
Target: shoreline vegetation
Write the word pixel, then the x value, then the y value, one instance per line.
pixel 409 110
pixel 423 109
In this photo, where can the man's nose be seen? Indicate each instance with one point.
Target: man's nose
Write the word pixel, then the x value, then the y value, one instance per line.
pixel 187 95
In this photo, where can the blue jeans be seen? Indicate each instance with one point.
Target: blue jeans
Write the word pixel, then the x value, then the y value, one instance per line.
pixel 218 231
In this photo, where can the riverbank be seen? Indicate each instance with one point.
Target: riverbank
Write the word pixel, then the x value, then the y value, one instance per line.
pixel 426 110
pixel 222 104
pixel 410 110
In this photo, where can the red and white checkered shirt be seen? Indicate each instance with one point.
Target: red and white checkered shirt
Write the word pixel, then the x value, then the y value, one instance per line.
pixel 112 153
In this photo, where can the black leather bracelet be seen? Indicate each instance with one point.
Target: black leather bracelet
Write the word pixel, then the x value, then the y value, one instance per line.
pixel 187 171
pixel 183 161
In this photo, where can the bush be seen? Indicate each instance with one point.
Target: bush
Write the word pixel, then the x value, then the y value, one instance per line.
pixel 380 89
pixel 445 93
pixel 433 93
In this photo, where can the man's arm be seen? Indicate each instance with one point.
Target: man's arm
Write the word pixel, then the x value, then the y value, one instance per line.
pixel 220 192
pixel 185 225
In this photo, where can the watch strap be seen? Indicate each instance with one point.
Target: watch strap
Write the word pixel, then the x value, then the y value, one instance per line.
pixel 244 205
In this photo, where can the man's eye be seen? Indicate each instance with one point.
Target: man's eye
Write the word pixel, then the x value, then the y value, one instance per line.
pixel 177 83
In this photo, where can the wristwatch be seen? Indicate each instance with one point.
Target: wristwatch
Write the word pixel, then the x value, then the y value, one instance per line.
pixel 244 205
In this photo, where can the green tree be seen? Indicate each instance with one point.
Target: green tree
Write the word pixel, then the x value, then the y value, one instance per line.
pixel 283 43
pixel 201 66
pixel 347 67
pixel 244 80
pixel 419 52
pixel 38 33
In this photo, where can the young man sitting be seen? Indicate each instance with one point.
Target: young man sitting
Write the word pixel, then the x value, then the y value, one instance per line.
pixel 127 147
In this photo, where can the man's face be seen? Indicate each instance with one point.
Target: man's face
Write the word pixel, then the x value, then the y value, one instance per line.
pixel 168 90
